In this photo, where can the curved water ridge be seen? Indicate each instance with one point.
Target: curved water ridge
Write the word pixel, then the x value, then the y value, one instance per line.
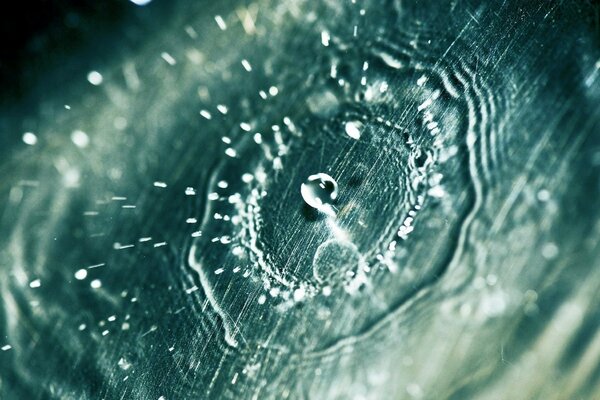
pixel 407 132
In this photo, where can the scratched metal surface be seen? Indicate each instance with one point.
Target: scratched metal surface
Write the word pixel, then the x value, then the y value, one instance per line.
pixel 155 243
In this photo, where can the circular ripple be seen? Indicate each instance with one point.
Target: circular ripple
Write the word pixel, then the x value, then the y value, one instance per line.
pixel 404 191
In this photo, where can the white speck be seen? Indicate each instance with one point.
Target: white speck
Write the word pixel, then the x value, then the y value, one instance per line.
pixel 213 196
pixel 145 239
pixel 36 283
pixel 436 191
pixel 191 221
pixel 125 326
pixel 383 87
pixel 424 105
pixel 80 138
pixel 159 244
pixel 273 91
pixel 124 364
pixel 67 107
pixel 543 195
pixel 81 274
pixel 140 2
pixel 257 138
pixel 262 94
pixel 550 251
pixel 299 294
pixel 219 271
pixel 160 184
pixel 222 109
pixel 96 284
pixel 96 265
pixel 191 32
pixel 247 178
pixel 197 234
pixel 246 126
pixel 226 140
pixel 353 129
pixel 262 299
pixel 168 58
pixel 205 114
pixel 246 65
pixel 81 327
pixel 326 291
pixel 190 191
pixel 119 246
pixel 95 78
pixel 221 22
pixel 120 123
pixel 6 347
pixel 192 289
pixel 30 138
pixel 391 60
pixel 222 184
pixel 325 38
pixel 491 279
pixel 421 81
pixel 230 152
pixel 414 390
pixel 104 333
pixel 112 318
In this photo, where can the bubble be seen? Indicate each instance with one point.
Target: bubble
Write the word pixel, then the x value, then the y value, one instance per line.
pixel 319 191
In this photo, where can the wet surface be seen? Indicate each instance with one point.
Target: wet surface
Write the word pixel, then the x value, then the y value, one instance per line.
pixel 307 199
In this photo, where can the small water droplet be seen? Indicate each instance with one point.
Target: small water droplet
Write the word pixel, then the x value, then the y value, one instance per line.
pixel 30 138
pixel 124 364
pixel 353 129
pixel 95 78
pixel 319 191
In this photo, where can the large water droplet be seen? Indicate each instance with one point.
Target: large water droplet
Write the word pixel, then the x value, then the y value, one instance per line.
pixel 319 191
pixel 335 261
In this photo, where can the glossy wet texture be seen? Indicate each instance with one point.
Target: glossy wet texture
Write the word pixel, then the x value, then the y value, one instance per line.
pixel 166 232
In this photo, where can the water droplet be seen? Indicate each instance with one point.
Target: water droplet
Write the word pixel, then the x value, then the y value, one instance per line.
pixel 353 129
pixel 96 284
pixel 80 138
pixel 319 191
pixel 95 78
pixel 124 364
pixel 36 283
pixel 81 274
pixel 333 261
pixel 30 138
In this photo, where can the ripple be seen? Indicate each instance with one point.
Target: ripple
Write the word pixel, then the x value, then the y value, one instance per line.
pixel 421 169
